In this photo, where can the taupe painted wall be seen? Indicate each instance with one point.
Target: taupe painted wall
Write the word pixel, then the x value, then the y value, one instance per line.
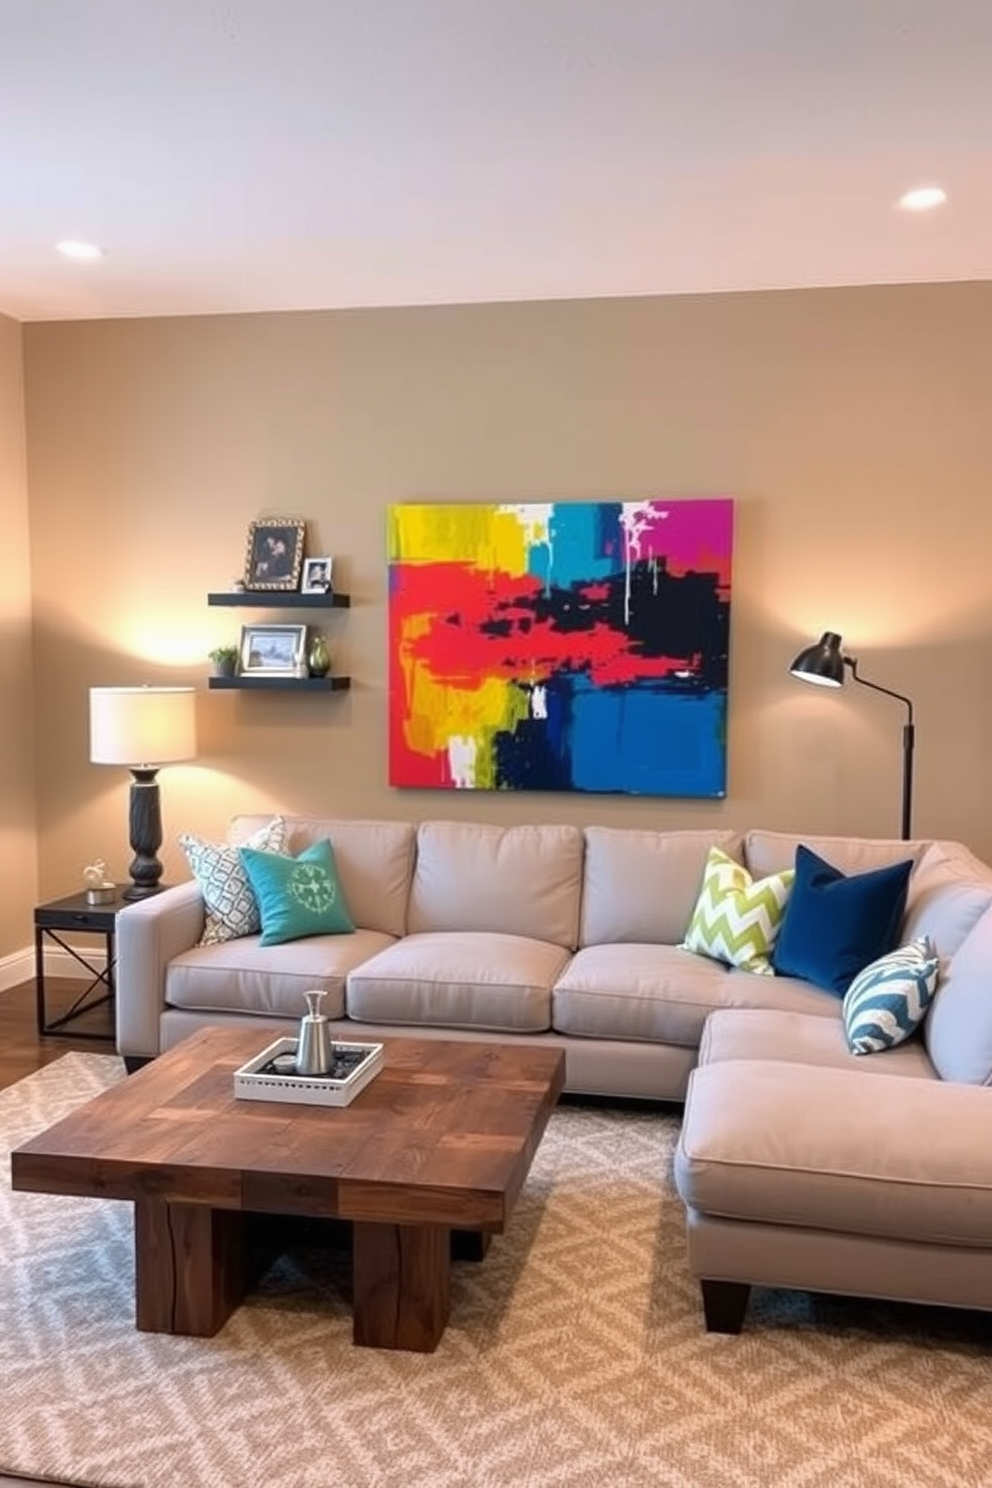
pixel 18 855
pixel 851 425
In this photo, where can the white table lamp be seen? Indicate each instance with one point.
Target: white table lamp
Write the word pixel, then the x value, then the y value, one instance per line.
pixel 143 728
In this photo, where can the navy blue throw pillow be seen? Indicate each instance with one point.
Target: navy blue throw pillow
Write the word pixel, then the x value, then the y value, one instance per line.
pixel 836 924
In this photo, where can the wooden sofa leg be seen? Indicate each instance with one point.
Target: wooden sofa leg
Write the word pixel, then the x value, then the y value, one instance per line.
pixel 134 1062
pixel 724 1305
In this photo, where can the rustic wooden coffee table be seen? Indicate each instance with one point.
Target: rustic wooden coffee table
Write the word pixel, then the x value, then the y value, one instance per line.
pixel 440 1141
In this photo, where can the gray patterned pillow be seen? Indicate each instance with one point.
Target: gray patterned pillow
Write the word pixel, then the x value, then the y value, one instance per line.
pixel 231 906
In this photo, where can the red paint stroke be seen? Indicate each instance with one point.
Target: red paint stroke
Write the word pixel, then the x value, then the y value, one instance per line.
pixel 458 603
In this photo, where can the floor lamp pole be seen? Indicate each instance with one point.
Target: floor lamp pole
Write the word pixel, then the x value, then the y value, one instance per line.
pixel 908 745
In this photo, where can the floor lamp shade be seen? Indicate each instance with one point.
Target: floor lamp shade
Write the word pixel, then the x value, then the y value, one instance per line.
pixel 142 728
pixel 826 664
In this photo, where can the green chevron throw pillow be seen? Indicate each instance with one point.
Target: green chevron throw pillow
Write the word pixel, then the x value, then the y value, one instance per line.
pixel 737 917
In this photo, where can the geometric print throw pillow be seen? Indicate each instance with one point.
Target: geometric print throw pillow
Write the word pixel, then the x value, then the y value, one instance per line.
pixel 737 917
pixel 888 1000
pixel 231 906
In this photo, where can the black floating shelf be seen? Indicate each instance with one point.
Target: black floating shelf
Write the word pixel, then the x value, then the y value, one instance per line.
pixel 279 684
pixel 281 599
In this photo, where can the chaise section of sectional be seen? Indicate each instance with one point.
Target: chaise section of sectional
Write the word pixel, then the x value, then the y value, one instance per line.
pixel 823 1179
pixel 804 1165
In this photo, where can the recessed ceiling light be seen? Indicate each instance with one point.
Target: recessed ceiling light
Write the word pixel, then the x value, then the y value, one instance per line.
pixel 923 198
pixel 82 252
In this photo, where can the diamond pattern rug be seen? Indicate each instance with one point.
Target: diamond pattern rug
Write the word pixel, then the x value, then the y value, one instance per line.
pixel 575 1357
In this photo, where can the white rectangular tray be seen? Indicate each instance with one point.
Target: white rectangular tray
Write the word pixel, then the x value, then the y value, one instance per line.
pixel 305 1090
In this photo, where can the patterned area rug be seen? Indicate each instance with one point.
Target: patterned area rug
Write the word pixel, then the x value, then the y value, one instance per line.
pixel 575 1357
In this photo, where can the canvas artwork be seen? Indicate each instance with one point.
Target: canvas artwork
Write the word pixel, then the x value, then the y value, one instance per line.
pixel 566 646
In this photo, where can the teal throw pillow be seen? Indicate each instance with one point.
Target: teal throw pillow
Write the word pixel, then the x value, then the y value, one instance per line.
pixel 888 1000
pixel 835 924
pixel 297 896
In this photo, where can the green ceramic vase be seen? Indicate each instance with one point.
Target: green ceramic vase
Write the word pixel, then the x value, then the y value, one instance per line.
pixel 318 657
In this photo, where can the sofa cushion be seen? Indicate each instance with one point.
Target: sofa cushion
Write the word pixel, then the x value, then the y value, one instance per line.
pixel 642 886
pixel 374 861
pixel 737 918
pixel 835 924
pixel 770 852
pixel 522 881
pixel 800 1038
pixel 888 1000
pixel 949 891
pixel 297 896
pixel 244 977
pixel 660 995
pixel 958 1029
pixel 459 979
pixel 784 1144
pixel 230 905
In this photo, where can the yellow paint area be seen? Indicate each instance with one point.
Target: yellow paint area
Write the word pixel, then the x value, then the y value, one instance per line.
pixel 440 711
pixel 490 538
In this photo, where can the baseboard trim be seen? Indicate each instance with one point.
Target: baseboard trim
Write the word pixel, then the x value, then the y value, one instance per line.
pixel 19 966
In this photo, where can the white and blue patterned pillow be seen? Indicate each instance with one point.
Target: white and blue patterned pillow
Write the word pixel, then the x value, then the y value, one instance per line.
pixel 888 1000
pixel 231 906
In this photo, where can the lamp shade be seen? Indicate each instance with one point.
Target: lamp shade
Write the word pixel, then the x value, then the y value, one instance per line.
pixel 147 726
pixel 822 663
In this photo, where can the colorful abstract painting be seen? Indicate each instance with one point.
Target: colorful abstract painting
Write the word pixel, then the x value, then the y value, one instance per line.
pixel 571 646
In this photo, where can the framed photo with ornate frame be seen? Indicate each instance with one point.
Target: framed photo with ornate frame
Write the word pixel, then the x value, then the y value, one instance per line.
pixel 274 554
pixel 316 575
pixel 273 650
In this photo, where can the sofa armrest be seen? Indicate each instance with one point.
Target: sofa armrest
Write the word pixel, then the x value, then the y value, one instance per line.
pixel 149 933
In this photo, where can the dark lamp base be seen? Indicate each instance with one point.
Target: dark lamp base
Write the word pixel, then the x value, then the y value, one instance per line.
pixel 141 891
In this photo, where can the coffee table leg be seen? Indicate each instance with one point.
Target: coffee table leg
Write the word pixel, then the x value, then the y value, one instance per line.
pixel 189 1267
pixel 469 1245
pixel 402 1285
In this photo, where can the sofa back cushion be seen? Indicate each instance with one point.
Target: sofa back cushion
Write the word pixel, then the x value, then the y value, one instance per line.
pixel 374 861
pixel 958 1029
pixel 949 891
pixel 641 886
pixel 770 852
pixel 509 880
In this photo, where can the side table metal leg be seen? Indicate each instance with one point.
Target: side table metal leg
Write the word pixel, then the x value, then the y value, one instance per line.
pixel 39 978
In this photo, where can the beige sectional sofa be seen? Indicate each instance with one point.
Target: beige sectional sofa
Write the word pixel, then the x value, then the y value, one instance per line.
pixel 539 932
pixel 800 1164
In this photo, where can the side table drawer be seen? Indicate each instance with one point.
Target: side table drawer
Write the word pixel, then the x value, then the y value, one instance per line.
pixel 83 919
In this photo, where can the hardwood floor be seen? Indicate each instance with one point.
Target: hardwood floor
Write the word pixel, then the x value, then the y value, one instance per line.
pixel 22 1051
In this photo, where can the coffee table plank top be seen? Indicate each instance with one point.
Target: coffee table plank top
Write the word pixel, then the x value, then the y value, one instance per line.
pixel 444 1134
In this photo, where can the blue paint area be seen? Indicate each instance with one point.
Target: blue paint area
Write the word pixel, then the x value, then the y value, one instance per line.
pixel 647 739
pixel 585 544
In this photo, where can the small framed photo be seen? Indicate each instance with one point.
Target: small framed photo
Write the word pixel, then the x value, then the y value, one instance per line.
pixel 273 650
pixel 274 554
pixel 317 575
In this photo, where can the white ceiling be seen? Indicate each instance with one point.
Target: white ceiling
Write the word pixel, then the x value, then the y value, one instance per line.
pixel 289 154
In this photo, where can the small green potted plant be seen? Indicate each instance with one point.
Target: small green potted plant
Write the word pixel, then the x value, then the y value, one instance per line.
pixel 225 660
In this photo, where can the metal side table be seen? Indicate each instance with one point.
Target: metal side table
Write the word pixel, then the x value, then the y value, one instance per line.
pixel 76 914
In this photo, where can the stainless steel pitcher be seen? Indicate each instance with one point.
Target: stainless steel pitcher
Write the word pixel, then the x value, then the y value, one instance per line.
pixel 314 1048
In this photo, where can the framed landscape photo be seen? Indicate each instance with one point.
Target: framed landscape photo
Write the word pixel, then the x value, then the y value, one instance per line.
pixel 273 650
pixel 274 553
pixel 317 575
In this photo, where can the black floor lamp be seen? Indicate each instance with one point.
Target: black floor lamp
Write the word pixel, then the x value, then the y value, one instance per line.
pixel 824 664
